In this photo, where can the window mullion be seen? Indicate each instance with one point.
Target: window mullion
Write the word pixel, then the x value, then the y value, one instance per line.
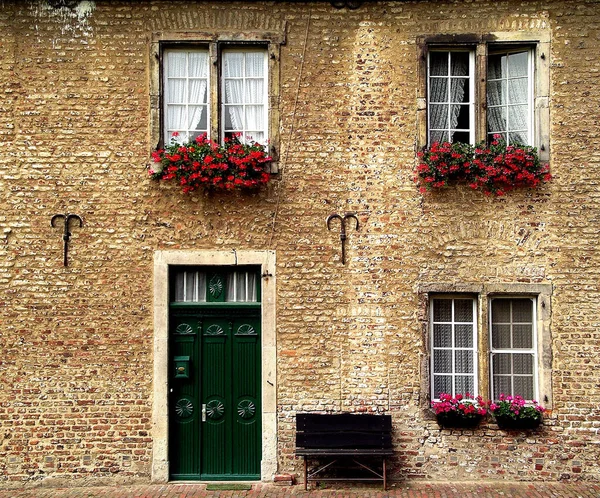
pixel 480 74
pixel 214 93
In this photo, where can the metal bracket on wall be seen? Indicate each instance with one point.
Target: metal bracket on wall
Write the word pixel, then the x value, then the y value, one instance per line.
pixel 342 229
pixel 66 234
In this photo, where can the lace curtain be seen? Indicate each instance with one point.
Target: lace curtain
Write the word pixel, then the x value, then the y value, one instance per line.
pixel 449 96
pixel 241 287
pixel 186 96
pixel 508 96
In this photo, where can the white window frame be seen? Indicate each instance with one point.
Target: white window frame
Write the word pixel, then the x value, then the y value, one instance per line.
pixel 533 350
pixel 449 77
pixel 184 134
pixel 454 348
pixel 530 91
pixel 265 101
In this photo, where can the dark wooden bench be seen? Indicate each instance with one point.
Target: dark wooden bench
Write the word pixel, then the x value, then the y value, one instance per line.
pixel 335 439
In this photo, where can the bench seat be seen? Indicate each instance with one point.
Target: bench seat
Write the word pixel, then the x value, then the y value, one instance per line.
pixel 333 439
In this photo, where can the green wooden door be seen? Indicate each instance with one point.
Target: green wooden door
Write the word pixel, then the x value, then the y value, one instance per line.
pixel 215 411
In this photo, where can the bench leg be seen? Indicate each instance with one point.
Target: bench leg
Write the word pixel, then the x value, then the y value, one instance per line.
pixel 305 475
pixel 384 476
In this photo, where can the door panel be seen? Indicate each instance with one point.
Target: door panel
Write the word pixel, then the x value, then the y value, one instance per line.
pixel 185 408
pixel 220 439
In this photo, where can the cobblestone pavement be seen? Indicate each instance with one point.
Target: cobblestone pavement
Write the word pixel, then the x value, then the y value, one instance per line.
pixel 403 490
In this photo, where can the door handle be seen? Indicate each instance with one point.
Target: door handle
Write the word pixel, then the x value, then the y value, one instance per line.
pixel 204 413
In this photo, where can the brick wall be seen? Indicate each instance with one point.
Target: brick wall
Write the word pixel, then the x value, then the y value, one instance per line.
pixel 77 364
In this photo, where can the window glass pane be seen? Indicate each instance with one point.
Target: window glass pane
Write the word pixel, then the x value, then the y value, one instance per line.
pixel 438 63
pixel 442 361
pixel 438 90
pixel 460 116
pixel 459 90
pixel 522 310
pixel 459 63
pixel 460 137
pixel 254 91
pixel 517 117
pixel 255 64
pixel 198 64
pixel 523 364
pixel 463 310
pixel 198 92
pixel 175 92
pixel 241 287
pixel 179 287
pixel 254 117
pixel 197 118
pixel 496 119
pixel 463 336
pixel 464 384
pixel 234 92
pixel 176 118
pixel 233 64
pixel 176 63
pixel 501 336
pixel 501 384
pixel 501 311
pixel 496 93
pixel 438 116
pixel 522 337
pixel 502 363
pixel 518 138
pixel 442 310
pixel 441 384
pixel 523 387
pixel 438 136
pixel 496 66
pixel 518 91
pixel 518 64
pixel 190 286
pixel 463 361
pixel 442 335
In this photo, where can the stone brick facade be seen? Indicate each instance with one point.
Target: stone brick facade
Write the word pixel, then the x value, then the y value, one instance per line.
pixel 76 131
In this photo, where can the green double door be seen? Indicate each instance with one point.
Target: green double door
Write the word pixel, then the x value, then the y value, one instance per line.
pixel 214 391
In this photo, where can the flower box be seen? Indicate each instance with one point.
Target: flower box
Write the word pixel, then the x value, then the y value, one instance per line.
pixel 514 413
pixel 511 424
pixel 204 164
pixel 454 420
pixel 459 411
pixel 495 169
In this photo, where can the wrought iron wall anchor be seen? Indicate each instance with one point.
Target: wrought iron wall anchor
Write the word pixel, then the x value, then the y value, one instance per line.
pixel 342 229
pixel 66 234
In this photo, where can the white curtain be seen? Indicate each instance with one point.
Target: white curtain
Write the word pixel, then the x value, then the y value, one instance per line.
pixel 186 84
pixel 244 96
pixel 241 287
pixel 190 286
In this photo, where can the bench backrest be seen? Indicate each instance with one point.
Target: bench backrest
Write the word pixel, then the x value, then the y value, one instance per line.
pixel 343 431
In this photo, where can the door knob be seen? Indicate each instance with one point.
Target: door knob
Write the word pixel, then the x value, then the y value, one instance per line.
pixel 204 413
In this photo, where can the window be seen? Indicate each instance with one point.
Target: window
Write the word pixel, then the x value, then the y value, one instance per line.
pixel 472 89
pixel 489 339
pixel 451 97
pixel 513 351
pixel 216 83
pixel 509 96
pixel 454 346
pixel 242 94
pixel 201 286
